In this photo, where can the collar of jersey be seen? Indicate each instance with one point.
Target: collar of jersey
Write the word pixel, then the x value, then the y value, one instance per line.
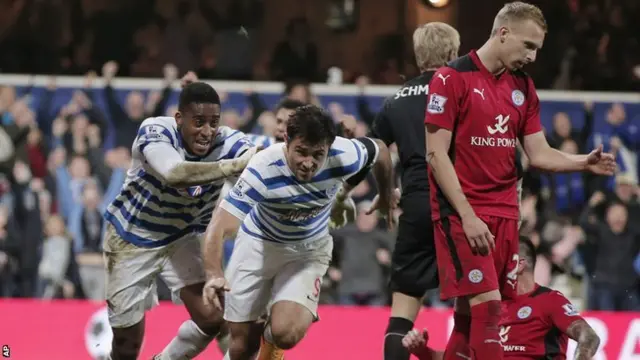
pixel 483 69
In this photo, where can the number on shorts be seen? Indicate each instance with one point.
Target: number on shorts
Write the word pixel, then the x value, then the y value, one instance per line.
pixel 316 287
pixel 513 274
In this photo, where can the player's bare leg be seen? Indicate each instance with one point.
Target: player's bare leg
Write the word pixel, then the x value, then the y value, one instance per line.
pixel 404 310
pixel 476 331
pixel 127 341
pixel 194 335
pixel 244 340
pixel 287 326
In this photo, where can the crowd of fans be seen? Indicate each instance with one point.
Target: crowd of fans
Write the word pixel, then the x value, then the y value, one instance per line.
pixel 60 167
pixel 592 44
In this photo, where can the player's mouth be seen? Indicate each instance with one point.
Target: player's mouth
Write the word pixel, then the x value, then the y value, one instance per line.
pixel 202 145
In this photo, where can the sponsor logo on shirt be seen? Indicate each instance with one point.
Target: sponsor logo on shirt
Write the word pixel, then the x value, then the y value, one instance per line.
pixel 412 91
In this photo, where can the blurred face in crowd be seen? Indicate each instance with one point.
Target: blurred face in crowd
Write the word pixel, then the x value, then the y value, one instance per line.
pixel 4 216
pixel 520 42
pixel 54 226
pixel 268 122
pixel 569 146
pixel 300 93
pixel 562 125
pixel 21 172
pixel 7 96
pixel 80 124
pixel 617 114
pixel 135 105
pixel 79 168
pixel 282 117
pixel 198 126
pixel 231 118
pixel 625 190
pixel 91 198
pixel 305 159
pixel 617 218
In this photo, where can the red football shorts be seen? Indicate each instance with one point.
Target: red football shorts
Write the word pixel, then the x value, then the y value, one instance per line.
pixel 464 273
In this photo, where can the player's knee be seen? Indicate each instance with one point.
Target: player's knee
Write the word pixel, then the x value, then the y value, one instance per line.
pixel 287 334
pixel 209 323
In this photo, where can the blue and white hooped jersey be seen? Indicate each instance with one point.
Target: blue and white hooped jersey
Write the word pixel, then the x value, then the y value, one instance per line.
pixel 261 140
pixel 147 212
pixel 282 209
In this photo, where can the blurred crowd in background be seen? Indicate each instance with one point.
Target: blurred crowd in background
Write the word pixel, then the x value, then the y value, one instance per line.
pixel 592 44
pixel 61 165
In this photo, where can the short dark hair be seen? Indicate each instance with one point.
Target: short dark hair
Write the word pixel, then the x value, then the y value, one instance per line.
pixel 528 251
pixel 289 104
pixel 197 93
pixel 312 124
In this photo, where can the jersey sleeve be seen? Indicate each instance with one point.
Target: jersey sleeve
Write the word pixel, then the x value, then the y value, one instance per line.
pixel 248 191
pixel 153 133
pixel 445 91
pixel 532 123
pixel 382 127
pixel 157 145
pixel 562 312
pixel 234 143
pixel 367 151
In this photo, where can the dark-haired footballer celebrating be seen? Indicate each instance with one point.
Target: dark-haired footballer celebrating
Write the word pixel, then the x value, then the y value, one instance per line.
pixel 280 208
pixel 536 324
pixel 156 222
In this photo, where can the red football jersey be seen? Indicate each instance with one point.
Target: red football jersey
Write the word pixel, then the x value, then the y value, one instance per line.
pixel 534 325
pixel 486 114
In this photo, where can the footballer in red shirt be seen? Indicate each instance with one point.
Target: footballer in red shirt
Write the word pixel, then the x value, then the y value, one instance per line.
pixel 535 324
pixel 480 106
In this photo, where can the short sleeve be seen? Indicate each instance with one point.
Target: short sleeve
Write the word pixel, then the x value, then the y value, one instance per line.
pixel 532 123
pixel 382 127
pixel 248 191
pixel 368 152
pixel 561 311
pixel 445 89
pixel 153 134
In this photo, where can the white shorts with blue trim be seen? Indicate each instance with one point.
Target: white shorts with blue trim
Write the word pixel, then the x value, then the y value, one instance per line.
pixel 132 273
pixel 261 273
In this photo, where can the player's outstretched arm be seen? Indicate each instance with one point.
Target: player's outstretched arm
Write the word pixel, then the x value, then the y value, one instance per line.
pixel 587 339
pixel 179 173
pixel 544 157
pixel 223 226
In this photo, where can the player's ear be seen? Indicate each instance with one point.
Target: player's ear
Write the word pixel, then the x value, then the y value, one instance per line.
pixel 178 117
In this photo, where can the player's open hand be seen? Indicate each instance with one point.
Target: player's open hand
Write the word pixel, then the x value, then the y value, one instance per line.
pixel 386 207
pixel 342 212
pixel 415 341
pixel 480 238
pixel 601 163
pixel 213 291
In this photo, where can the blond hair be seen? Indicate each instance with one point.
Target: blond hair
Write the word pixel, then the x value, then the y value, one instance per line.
pixel 435 44
pixel 518 11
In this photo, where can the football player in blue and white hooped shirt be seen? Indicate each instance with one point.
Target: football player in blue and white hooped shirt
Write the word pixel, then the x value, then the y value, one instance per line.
pixel 156 222
pixel 281 206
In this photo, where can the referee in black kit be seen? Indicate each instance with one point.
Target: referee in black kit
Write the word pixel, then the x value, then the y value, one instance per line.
pixel 401 121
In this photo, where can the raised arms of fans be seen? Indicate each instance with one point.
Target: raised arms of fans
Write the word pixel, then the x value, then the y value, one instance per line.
pixel 438 143
pixel 588 340
pixel 177 172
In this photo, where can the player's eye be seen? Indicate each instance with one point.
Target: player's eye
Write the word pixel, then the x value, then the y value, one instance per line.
pixel 530 45
pixel 318 155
